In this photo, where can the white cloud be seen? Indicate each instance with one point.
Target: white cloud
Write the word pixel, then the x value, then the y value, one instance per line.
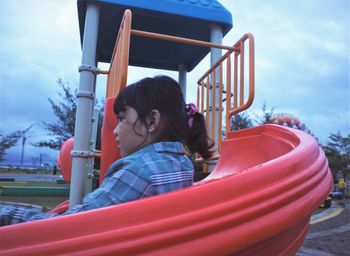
pixel 302 58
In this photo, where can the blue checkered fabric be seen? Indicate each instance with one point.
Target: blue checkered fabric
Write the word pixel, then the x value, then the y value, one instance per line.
pixel 155 169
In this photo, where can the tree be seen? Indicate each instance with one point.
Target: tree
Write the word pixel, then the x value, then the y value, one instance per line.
pixel 241 121
pixel 65 111
pixel 8 141
pixel 340 143
pixel 338 153
pixel 267 116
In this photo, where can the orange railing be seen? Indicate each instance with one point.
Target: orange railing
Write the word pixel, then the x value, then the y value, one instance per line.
pixel 207 100
pixel 235 102
pixel 118 70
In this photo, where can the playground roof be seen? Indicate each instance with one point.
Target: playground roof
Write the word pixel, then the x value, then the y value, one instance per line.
pixel 184 18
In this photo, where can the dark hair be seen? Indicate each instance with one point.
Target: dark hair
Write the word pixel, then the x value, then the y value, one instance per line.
pixel 164 94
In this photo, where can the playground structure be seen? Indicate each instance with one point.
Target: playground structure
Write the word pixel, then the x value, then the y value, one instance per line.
pixel 288 120
pixel 257 200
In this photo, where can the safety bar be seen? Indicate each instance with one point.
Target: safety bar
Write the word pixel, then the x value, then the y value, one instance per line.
pixel 207 101
pixel 118 70
pixel 135 32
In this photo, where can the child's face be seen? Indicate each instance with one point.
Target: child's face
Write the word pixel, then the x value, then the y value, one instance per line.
pixel 129 135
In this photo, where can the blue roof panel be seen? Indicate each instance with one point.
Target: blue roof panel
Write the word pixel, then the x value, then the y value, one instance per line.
pixel 184 18
pixel 210 10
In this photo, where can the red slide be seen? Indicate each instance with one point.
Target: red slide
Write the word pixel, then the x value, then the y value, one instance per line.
pixel 257 201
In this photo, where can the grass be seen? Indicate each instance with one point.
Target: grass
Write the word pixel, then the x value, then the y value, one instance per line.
pixel 48 202
pixel 41 184
pixel 34 184
pixel 18 170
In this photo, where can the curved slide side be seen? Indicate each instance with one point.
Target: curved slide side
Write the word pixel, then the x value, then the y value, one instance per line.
pixel 257 201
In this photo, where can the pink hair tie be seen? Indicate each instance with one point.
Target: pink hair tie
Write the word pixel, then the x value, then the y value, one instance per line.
pixel 191 110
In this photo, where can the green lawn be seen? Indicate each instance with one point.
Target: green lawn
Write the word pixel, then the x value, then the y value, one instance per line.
pixel 33 184
pixel 47 202
pixel 16 171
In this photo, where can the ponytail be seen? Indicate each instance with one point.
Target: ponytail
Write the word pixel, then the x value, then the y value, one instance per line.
pixel 197 140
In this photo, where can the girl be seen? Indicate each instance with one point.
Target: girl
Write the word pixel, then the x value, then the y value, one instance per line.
pixel 156 129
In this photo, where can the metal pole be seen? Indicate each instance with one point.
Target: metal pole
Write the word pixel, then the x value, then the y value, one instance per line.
pixel 183 79
pixel 23 144
pixel 85 101
pixel 216 35
pixel 93 134
pixel 90 174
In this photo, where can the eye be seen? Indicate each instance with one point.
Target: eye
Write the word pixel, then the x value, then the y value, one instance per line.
pixel 121 116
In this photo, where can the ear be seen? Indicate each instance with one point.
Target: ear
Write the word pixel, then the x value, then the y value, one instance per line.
pixel 153 120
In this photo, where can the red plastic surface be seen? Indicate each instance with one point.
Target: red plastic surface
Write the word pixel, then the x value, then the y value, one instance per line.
pixel 109 148
pixel 64 159
pixel 257 201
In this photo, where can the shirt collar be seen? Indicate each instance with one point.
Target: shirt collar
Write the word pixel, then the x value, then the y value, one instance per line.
pixel 162 147
pixel 168 147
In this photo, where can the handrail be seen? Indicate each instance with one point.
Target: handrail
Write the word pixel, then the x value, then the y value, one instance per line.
pixel 244 106
pixel 118 71
pixel 184 40
pixel 207 101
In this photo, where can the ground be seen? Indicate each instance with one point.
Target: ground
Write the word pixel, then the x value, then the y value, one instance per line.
pixel 330 236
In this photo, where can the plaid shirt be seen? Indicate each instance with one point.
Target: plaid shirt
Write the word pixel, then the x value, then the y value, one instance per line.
pixel 155 169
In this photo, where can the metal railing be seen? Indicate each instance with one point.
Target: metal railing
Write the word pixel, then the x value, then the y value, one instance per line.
pixel 213 105
pixel 118 70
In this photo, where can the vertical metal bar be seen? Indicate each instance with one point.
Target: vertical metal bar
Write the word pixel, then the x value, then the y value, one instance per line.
pixel 202 98
pixel 207 107
pixel 90 161
pixel 90 175
pixel 235 82
pixel 213 105
pixel 228 95
pixel 220 109
pixel 241 76
pixel 84 104
pixel 198 96
pixel 183 79
pixel 216 35
pixel 251 68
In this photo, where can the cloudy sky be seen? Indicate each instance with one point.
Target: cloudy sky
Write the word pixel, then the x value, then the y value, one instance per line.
pixel 302 62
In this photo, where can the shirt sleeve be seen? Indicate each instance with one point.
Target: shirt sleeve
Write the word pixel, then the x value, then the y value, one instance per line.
pixel 123 186
pixel 10 215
